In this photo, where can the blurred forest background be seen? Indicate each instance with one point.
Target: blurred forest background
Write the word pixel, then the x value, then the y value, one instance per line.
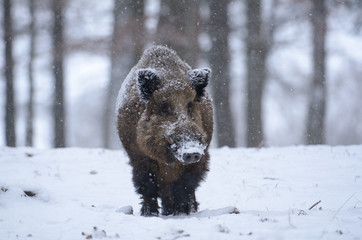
pixel 285 72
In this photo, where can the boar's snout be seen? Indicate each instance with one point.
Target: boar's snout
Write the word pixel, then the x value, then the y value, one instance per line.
pixel 191 157
pixel 187 149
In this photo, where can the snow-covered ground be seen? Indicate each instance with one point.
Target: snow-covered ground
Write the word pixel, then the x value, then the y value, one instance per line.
pixel 83 193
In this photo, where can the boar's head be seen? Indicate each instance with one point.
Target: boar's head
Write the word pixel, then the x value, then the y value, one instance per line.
pixel 170 129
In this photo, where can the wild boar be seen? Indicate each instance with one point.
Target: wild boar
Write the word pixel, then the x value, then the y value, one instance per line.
pixel 165 123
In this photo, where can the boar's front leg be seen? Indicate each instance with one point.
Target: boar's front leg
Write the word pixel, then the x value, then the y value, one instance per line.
pixel 179 197
pixel 167 199
pixel 184 188
pixel 184 195
pixel 145 181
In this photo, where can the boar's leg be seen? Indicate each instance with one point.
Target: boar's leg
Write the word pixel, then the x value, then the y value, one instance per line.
pixel 167 199
pixel 145 181
pixel 179 196
pixel 177 200
pixel 184 194
pixel 184 188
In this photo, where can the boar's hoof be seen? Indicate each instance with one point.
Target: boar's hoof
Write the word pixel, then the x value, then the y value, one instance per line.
pixel 191 157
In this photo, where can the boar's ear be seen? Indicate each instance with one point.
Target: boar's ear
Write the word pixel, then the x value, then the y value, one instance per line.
pixel 148 82
pixel 199 79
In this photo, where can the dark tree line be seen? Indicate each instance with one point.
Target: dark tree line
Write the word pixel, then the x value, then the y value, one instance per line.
pixel 124 52
pixel 32 46
pixel 315 133
pixel 219 61
pixel 58 73
pixel 10 135
pixel 256 73
pixel 180 24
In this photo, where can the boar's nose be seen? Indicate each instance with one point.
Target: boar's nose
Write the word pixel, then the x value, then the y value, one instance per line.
pixel 191 157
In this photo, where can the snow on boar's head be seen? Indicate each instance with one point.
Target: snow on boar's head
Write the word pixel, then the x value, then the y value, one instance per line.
pixel 171 129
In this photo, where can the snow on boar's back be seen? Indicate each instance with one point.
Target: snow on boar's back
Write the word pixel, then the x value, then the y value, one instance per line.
pixel 165 123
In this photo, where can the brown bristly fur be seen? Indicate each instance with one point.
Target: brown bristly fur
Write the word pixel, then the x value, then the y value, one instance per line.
pixel 145 133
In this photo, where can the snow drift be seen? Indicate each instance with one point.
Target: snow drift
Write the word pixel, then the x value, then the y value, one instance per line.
pixel 280 193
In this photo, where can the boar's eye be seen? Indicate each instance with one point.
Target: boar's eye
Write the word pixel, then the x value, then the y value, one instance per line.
pixel 165 109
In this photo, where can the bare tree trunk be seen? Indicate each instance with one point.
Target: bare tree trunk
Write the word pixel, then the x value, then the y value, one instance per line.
pixel 179 28
pixel 138 35
pixel 30 116
pixel 317 104
pixel 219 59
pixel 58 58
pixel 256 73
pixel 126 48
pixel 9 76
